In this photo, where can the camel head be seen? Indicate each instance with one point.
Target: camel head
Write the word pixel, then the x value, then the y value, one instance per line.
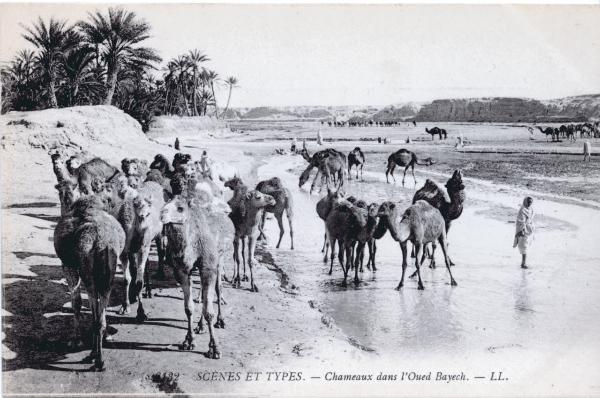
pixel 387 209
pixel 160 163
pixel 455 183
pixel 98 185
pixel 305 176
pixel 373 210
pixel 175 212
pixel 73 164
pixel 234 183
pixel 142 206
pixel 181 159
pixel 258 200
pixel 68 194
pixel 306 155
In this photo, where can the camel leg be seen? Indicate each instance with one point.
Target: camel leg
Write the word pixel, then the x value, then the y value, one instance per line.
pixel 361 172
pixel 160 272
pixel 360 251
pixel 325 246
pixel 251 246
pixel 372 252
pixel 142 258
pixel 412 168
pixel 261 226
pixel 332 244
pixel 341 252
pixel 74 286
pixel 279 217
pixel 188 303
pixel 443 243
pixel 244 261
pixel 356 264
pixel 100 329
pixel 314 183
pixel 290 216
pixel 220 323
pixel 432 263
pixel 127 277
pixel 93 300
pixel 236 258
pixel 404 176
pixel 209 279
pixel 350 172
pixel 419 251
pixel 348 251
pixel 404 264
pixel 390 170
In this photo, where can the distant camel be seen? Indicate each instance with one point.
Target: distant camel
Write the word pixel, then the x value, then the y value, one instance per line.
pixel 421 223
pixel 548 131
pixel 330 164
pixel 434 131
pixel 356 158
pixel 406 159
pixel 284 203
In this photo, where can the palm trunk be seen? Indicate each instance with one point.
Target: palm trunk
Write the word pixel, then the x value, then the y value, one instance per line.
pixel 111 82
pixel 194 95
pixel 227 106
pixel 52 88
pixel 212 88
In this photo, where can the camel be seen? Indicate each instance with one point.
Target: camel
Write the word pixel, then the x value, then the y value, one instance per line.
pixel 348 224
pixel 284 203
pixel 237 215
pixel 324 206
pixel 88 242
pixel 197 239
pixel 60 168
pixel 356 158
pixel 330 164
pixel 372 245
pixel 420 224
pixel 549 131
pixel 245 214
pixel 406 159
pixel 67 194
pixel 86 172
pixel 364 236
pixel 134 167
pixel 180 159
pixel 434 131
pixel 449 203
pixel 139 217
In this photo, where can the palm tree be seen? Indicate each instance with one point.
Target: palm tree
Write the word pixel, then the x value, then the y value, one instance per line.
pixel 211 78
pixel 53 41
pixel 181 66
pixel 195 58
pixel 79 73
pixel 231 82
pixel 116 35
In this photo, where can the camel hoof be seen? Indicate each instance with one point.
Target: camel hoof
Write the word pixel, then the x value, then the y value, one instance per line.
pixel 188 344
pixel 199 329
pixel 421 287
pixel 356 281
pixel 220 324
pixel 98 367
pixel 213 353
pixel 90 357
pixel 124 310
pixel 453 283
pixel 147 295
pixel 277 247
pixel 254 289
pixel 399 287
pixel 141 317
pixel 134 291
pixel 292 248
pixel 245 278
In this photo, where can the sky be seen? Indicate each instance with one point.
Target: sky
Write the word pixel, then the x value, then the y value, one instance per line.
pixel 286 55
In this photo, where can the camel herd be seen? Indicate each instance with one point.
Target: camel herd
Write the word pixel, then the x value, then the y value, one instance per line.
pixel 111 215
pixel 570 131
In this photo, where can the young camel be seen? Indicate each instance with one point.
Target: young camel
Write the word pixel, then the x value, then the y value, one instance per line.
pixel 356 158
pixel 88 242
pixel 284 203
pixel 245 214
pixel 324 206
pixel 197 234
pixel 421 223
pixel 330 164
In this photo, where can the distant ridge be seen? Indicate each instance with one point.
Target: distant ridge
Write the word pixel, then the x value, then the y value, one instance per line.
pixel 492 109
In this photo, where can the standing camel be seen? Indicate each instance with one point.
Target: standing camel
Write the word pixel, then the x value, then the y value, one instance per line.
pixel 421 223
pixel 324 206
pixel 356 158
pixel 406 159
pixel 246 215
pixel 284 203
pixel 433 132
pixel 330 164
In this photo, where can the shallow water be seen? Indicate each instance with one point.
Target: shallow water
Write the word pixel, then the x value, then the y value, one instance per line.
pixel 496 307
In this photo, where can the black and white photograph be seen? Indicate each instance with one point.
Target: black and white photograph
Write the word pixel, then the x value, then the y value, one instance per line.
pixel 324 200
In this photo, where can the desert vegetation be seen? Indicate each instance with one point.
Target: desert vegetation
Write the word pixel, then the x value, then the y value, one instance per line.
pixel 103 60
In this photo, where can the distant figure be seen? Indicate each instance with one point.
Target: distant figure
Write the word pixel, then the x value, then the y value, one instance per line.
pixel 530 129
pixel 294 144
pixel 459 142
pixel 415 123
pixel 385 140
pixel 205 165
pixel 408 140
pixel 587 151
pixel 379 140
pixel 176 143
pixel 319 138
pixel 524 229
